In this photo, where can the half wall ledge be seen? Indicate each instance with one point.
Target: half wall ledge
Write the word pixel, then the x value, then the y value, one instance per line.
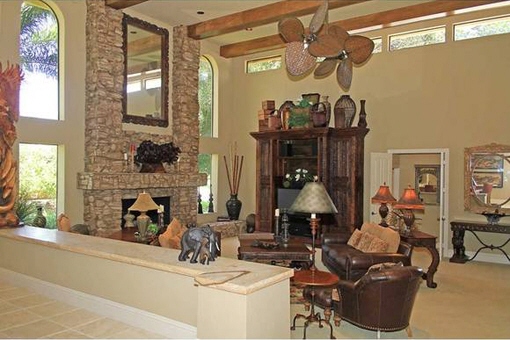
pixel 112 181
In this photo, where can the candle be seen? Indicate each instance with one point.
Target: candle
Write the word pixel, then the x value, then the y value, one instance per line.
pixel 314 216
pixel 277 212
pixel 161 208
pixel 125 156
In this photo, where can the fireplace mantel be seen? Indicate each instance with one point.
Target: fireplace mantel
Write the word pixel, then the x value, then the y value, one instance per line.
pixel 129 181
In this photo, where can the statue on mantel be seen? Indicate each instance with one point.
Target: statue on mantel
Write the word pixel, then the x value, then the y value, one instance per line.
pixel 10 80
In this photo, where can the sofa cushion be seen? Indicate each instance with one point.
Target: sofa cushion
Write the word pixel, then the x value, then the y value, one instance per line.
pixel 364 242
pixel 355 238
pixel 171 238
pixel 377 246
pixel 388 235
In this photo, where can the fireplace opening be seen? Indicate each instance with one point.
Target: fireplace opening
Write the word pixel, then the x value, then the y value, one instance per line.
pixel 153 214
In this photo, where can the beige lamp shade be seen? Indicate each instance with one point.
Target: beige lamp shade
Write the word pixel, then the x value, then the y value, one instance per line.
pixel 313 199
pixel 144 202
pixel 383 195
pixel 409 200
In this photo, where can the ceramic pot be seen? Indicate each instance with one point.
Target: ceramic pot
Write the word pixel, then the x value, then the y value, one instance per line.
pixel 362 122
pixel 345 110
pixel 234 206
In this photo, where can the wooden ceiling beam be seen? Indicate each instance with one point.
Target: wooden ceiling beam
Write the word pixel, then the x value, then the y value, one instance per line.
pixel 260 16
pixel 382 19
pixel 121 4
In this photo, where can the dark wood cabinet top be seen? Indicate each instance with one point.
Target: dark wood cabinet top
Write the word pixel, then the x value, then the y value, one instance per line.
pixel 309 133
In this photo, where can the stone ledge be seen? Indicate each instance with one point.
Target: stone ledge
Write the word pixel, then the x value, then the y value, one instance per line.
pixel 127 181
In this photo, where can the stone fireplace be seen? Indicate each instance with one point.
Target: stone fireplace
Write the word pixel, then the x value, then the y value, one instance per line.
pixel 106 179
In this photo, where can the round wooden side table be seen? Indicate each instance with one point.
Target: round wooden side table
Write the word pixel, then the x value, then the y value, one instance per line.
pixel 314 278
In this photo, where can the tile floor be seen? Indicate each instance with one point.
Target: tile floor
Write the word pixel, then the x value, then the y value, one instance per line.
pixel 25 314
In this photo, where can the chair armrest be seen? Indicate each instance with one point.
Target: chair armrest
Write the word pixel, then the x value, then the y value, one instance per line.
pixel 335 237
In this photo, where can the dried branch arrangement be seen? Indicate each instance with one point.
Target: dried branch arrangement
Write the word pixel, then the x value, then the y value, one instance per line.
pixel 234 167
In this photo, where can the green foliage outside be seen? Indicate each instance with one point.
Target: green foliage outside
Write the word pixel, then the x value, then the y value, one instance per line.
pixel 38 39
pixel 38 180
pixel 482 29
pixel 205 98
pixel 272 63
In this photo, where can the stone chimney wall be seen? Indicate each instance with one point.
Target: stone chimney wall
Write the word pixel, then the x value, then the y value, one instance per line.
pixel 107 178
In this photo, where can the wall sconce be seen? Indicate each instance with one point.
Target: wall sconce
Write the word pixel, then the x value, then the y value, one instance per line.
pixel 143 204
pixel 313 199
pixel 383 196
pixel 407 203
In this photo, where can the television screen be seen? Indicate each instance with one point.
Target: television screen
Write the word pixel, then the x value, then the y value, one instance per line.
pixel 285 197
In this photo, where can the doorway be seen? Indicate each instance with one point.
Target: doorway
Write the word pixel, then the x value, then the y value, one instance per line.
pixel 398 168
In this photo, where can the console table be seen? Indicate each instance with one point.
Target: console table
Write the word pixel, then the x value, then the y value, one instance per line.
pixel 418 238
pixel 459 228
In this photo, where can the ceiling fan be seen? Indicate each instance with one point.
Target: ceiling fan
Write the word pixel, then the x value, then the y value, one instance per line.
pixel 356 50
pixel 303 48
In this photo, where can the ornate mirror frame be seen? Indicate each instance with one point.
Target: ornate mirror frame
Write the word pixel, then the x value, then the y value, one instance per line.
pixel 471 200
pixel 161 119
pixel 432 169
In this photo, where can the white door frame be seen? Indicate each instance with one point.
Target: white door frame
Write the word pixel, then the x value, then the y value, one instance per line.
pixel 443 203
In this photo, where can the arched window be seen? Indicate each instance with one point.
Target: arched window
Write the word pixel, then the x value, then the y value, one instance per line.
pixel 207 162
pixel 39 59
pixel 206 97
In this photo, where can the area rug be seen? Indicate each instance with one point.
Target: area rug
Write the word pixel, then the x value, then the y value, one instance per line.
pixel 296 293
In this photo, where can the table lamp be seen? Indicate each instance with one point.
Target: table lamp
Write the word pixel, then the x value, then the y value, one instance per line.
pixel 143 204
pixel 407 203
pixel 383 196
pixel 313 199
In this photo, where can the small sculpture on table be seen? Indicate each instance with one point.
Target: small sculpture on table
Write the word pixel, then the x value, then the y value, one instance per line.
pixel 192 241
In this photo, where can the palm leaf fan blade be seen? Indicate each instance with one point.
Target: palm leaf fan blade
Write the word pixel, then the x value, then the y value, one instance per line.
pixel 326 46
pixel 297 59
pixel 344 73
pixel 339 33
pixel 326 67
pixel 318 18
pixel 291 29
pixel 359 48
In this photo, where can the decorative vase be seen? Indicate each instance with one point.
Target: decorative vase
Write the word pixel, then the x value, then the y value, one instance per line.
pixel 284 112
pixel 152 168
pixel 345 110
pixel 234 206
pixel 39 219
pixel 362 122
pixel 321 113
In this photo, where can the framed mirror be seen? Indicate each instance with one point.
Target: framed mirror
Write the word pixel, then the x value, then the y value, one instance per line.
pixel 487 179
pixel 145 98
pixel 427 183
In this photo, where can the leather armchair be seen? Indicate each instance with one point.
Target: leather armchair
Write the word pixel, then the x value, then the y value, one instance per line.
pixel 350 263
pixel 381 300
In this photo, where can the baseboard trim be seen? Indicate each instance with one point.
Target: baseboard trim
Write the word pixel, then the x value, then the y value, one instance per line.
pixel 135 317
pixel 483 257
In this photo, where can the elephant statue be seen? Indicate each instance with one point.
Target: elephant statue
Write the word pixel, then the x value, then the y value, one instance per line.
pixel 191 241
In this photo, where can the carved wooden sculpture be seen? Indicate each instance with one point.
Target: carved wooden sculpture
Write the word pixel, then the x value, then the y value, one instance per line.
pixel 10 80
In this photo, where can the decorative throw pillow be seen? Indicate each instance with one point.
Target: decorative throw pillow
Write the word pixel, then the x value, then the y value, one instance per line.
pixel 364 242
pixel 171 238
pixel 384 265
pixel 377 246
pixel 355 237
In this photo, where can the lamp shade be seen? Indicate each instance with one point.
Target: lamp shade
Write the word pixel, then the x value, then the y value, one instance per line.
pixel 144 202
pixel 383 195
pixel 313 199
pixel 409 200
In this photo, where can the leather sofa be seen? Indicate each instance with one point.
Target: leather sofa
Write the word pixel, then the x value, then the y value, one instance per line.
pixel 350 263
